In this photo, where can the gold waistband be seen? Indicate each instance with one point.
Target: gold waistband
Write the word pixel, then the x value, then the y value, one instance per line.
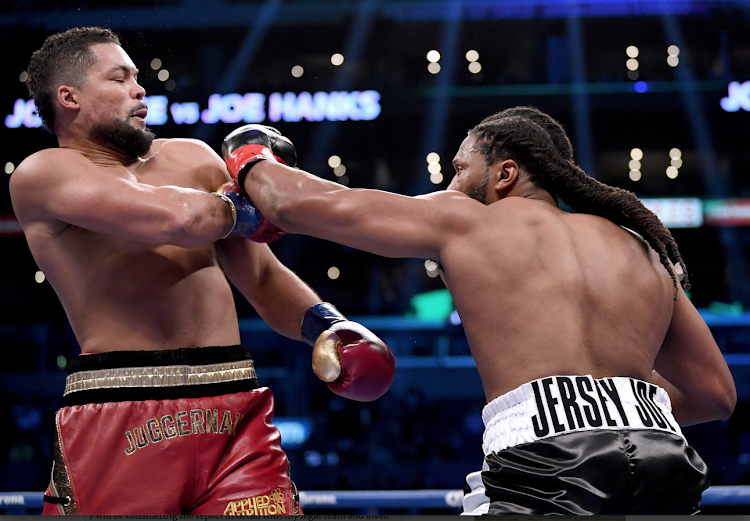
pixel 159 376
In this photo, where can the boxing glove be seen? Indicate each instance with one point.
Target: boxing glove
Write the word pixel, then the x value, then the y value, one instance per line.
pixel 355 363
pixel 249 144
pixel 246 218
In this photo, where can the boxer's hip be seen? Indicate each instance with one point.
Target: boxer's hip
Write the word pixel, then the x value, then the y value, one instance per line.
pixel 159 375
pixel 557 405
pixel 173 426
pixel 579 445
pixel 637 471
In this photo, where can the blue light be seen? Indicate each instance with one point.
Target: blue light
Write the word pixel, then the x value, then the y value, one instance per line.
pixel 294 431
pixel 641 86
pixel 313 458
pixel 738 98
pixel 24 113
pixel 157 109
pixel 333 106
pixel 234 108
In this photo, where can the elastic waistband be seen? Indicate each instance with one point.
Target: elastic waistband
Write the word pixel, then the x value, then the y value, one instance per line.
pixel 159 375
pixel 558 405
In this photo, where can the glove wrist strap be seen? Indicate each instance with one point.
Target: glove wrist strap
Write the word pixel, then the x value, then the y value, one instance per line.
pixel 245 217
pixel 241 160
pixel 319 318
pixel 233 209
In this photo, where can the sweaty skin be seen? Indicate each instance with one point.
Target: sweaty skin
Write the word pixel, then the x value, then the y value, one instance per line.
pixel 128 244
pixel 539 291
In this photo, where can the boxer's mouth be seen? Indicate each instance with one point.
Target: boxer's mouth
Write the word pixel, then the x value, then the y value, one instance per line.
pixel 140 112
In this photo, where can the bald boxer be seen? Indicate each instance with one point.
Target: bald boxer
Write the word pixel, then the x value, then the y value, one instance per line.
pixel 591 356
pixel 163 412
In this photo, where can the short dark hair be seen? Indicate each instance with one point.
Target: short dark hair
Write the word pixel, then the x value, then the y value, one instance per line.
pixel 62 59
pixel 526 138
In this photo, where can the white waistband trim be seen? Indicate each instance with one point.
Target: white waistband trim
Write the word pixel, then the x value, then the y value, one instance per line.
pixel 561 404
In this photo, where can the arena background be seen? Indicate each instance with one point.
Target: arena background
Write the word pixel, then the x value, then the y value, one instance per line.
pixel 654 94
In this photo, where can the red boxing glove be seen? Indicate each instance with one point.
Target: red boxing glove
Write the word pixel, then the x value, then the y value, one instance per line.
pixel 355 363
pixel 267 232
pixel 248 221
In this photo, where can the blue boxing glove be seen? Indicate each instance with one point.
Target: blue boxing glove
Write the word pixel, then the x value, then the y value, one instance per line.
pixel 247 219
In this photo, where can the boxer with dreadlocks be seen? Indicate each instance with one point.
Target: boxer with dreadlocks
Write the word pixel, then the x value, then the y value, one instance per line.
pixel 591 356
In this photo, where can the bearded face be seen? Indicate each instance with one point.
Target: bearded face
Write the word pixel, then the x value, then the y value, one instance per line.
pixel 131 141
pixel 479 190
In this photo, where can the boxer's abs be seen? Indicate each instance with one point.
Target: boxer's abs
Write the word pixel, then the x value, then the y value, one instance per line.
pixel 120 296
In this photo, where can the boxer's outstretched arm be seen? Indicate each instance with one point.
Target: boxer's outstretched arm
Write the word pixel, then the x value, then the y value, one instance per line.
pixel 278 295
pixel 692 369
pixel 379 222
pixel 62 185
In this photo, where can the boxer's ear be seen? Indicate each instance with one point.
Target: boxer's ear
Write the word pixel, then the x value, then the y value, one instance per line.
pixel 506 174
pixel 68 97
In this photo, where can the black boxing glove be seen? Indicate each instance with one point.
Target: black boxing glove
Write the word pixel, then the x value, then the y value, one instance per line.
pixel 249 144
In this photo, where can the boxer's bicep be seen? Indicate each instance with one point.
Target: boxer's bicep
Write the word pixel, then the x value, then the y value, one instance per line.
pixel 691 361
pixel 379 222
pixel 76 192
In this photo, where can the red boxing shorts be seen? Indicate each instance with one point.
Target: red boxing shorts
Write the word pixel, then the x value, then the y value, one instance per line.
pixel 186 431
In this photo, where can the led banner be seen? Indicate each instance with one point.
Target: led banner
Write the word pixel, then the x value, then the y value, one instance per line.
pixel 738 97
pixel 727 212
pixel 684 212
pixel 252 107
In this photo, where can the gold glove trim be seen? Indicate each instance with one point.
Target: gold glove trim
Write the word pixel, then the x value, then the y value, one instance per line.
pixel 325 356
pixel 160 376
pixel 232 208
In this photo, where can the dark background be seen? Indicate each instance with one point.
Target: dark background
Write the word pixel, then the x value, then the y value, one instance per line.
pixel 567 59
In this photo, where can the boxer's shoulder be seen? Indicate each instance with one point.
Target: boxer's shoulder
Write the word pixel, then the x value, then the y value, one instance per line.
pixel 42 170
pixel 522 206
pixel 47 159
pixel 191 157
pixel 38 176
pixel 454 203
pixel 181 148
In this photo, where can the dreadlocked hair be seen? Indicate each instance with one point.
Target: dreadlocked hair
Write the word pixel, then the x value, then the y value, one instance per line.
pixel 554 129
pixel 547 158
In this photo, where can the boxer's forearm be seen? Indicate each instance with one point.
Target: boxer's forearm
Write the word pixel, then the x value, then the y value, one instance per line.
pixel 688 409
pixel 692 368
pixel 278 295
pixel 281 301
pixel 199 219
pixel 278 189
pixel 383 223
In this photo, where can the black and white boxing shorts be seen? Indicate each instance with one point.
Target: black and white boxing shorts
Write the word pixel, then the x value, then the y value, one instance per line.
pixel 575 445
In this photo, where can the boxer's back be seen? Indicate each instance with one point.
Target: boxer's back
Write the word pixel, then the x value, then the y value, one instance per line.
pixel 544 292
pixel 120 294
